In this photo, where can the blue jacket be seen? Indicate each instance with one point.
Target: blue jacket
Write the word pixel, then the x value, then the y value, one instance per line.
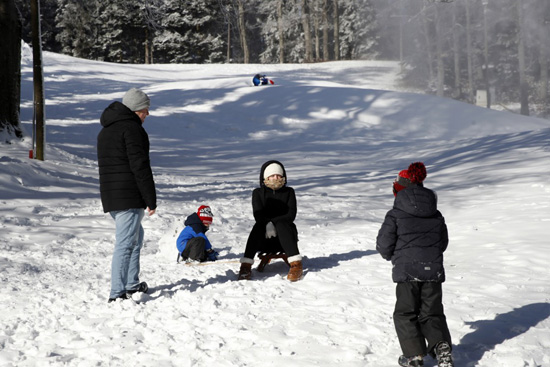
pixel 193 228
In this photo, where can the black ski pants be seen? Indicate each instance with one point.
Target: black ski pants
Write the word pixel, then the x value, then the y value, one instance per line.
pixel 419 317
pixel 195 249
pixel 286 240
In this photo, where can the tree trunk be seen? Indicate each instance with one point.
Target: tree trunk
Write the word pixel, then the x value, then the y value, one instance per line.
pixel 336 21
pixel 38 81
pixel 471 88
pixel 316 26
pixel 544 55
pixel 228 55
pixel 439 50
pixel 148 47
pixel 487 74
pixel 281 31
pixel 307 32
pixel 524 97
pixel 10 72
pixel 429 56
pixel 456 51
pixel 401 20
pixel 242 29
pixel 325 31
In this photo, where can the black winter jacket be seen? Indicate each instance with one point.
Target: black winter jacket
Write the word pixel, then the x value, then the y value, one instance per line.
pixel 125 176
pixel 414 237
pixel 273 205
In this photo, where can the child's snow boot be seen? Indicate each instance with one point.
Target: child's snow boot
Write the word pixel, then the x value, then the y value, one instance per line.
pixel 296 271
pixel 443 354
pixel 416 361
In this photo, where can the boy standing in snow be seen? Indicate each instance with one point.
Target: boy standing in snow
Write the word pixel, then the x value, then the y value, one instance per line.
pixel 414 237
pixel 274 209
pixel 192 243
pixel 126 185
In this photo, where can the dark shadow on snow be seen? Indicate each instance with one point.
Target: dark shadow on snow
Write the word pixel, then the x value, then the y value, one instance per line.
pixel 168 290
pixel 276 267
pixel 312 264
pixel 488 334
pixel 315 264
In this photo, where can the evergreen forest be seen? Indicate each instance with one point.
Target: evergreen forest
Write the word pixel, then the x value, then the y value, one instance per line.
pixel 451 48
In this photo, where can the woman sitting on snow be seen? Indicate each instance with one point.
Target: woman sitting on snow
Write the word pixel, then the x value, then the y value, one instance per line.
pixel 274 209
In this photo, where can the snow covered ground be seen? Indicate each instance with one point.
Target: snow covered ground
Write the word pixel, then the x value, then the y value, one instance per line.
pixel 343 131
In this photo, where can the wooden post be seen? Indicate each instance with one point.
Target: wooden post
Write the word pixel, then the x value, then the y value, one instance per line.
pixel 38 80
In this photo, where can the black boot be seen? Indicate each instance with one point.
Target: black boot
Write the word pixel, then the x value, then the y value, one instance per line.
pixel 142 288
pixel 124 296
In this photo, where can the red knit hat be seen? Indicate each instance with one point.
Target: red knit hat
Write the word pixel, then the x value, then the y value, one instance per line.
pixel 415 174
pixel 401 181
pixel 205 214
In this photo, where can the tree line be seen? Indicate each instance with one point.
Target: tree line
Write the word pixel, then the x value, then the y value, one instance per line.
pixel 208 31
pixel 452 48
pixel 457 48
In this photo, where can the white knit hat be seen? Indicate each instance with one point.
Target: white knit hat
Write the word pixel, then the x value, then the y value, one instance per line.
pixel 273 169
pixel 136 100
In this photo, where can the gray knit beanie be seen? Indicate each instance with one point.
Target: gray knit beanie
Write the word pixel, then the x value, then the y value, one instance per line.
pixel 136 100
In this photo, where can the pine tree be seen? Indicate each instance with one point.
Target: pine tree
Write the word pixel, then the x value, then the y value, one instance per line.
pixel 358 28
pixel 190 33
pixel 76 36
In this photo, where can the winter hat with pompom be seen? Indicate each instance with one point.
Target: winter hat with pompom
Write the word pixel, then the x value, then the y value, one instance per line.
pixel 417 172
pixel 205 214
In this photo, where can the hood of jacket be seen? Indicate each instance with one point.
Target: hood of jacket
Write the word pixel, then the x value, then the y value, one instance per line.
pixel 195 222
pixel 264 166
pixel 115 112
pixel 416 200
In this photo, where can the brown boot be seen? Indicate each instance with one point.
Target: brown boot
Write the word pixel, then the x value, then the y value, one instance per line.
pixel 295 273
pixel 245 273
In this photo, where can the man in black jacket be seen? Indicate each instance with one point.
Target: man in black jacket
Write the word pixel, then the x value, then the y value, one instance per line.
pixel 126 185
pixel 414 236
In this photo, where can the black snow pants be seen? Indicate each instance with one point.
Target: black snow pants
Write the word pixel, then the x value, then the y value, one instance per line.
pixel 419 317
pixel 285 241
pixel 195 249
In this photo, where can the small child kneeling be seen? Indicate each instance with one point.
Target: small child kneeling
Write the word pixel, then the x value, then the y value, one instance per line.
pixel 192 243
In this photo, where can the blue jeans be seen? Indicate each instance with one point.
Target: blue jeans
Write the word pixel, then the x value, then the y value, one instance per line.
pixel 129 239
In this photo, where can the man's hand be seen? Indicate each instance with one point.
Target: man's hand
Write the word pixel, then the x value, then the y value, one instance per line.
pixel 151 211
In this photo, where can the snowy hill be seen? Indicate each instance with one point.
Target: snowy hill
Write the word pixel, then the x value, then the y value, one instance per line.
pixel 343 131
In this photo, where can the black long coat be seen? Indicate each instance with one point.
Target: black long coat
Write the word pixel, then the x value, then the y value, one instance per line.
pixel 273 206
pixel 278 207
pixel 414 236
pixel 125 176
